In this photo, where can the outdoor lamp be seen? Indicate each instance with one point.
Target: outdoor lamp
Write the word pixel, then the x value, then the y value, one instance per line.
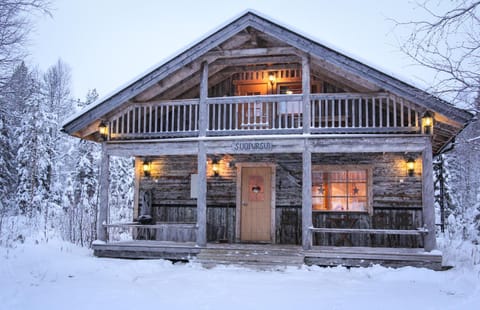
pixel 215 167
pixel 411 167
pixel 147 166
pixel 271 78
pixel 103 130
pixel 427 123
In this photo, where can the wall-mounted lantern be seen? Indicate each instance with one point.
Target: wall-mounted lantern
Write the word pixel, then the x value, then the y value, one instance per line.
pixel 103 130
pixel 271 78
pixel 427 123
pixel 147 168
pixel 215 167
pixel 411 167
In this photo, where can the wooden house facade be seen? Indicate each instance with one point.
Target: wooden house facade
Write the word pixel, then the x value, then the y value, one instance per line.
pixel 259 135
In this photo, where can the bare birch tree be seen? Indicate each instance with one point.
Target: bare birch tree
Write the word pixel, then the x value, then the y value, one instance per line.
pixel 448 42
pixel 15 26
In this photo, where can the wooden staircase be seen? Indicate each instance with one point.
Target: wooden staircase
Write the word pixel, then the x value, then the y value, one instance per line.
pixel 252 256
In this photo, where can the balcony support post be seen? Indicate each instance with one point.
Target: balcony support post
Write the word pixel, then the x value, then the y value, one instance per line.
pixel 306 93
pixel 203 117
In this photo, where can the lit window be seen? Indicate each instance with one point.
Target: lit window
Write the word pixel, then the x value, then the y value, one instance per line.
pixel 340 189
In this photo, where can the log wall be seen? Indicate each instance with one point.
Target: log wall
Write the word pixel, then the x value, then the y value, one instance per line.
pixel 397 198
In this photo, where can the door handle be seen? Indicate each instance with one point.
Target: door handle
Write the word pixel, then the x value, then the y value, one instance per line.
pixel 244 204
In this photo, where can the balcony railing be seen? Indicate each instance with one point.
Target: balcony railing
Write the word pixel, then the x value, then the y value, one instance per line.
pixel 277 114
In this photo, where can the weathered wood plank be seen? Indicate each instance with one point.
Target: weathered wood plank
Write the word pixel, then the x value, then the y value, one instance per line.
pixel 103 194
pixel 306 94
pixel 152 148
pixel 283 50
pixel 202 195
pixel 417 232
pixel 203 110
pixel 306 197
pixel 152 226
pixel 428 197
pixel 255 60
pixel 368 144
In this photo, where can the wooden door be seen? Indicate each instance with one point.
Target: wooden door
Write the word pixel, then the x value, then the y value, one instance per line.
pixel 256 194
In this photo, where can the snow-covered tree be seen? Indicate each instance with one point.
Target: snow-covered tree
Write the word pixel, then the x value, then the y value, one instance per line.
pixel 33 188
pixel 121 190
pixel 82 201
pixel 57 103
pixel 16 92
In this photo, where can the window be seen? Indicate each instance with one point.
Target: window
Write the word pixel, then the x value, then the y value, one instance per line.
pixel 341 188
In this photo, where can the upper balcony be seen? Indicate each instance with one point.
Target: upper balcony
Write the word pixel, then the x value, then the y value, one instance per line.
pixel 267 114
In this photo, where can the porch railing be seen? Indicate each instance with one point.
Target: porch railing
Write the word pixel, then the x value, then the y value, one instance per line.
pixel 259 113
pixel 330 113
pixel 156 119
pixel 362 113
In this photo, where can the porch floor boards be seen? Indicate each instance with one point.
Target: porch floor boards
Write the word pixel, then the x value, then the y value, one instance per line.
pixel 366 256
pixel 268 256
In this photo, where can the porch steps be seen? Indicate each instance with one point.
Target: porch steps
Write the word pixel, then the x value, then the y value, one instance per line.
pixel 250 256
pixel 364 257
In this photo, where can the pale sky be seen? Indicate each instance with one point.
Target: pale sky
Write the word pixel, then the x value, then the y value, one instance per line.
pixel 107 43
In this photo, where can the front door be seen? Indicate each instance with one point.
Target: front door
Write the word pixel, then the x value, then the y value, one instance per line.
pixel 256 194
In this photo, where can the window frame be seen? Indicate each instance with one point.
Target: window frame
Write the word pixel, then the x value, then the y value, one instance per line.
pixel 346 168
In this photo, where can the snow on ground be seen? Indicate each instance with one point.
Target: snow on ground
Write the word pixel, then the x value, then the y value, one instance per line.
pixel 59 275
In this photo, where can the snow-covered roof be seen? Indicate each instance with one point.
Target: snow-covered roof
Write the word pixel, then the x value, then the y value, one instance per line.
pixel 250 18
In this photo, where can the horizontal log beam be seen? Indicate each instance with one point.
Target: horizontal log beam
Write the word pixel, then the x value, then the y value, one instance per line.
pixel 256 60
pixel 251 52
pixel 156 225
pixel 151 149
pixel 364 144
pixel 293 143
pixel 416 232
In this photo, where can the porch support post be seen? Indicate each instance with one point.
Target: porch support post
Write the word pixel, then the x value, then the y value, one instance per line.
pixel 203 113
pixel 103 194
pixel 202 195
pixel 428 196
pixel 307 197
pixel 202 160
pixel 306 93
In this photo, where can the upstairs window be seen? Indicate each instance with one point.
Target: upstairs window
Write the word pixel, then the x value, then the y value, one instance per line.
pixel 341 188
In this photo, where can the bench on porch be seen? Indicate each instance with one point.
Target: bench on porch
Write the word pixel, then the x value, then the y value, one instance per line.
pixel 160 231
pixel 421 232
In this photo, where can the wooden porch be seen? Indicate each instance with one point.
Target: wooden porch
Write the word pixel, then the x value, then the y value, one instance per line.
pixel 269 256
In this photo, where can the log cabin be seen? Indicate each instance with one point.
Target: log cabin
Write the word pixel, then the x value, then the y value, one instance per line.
pixel 257 139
